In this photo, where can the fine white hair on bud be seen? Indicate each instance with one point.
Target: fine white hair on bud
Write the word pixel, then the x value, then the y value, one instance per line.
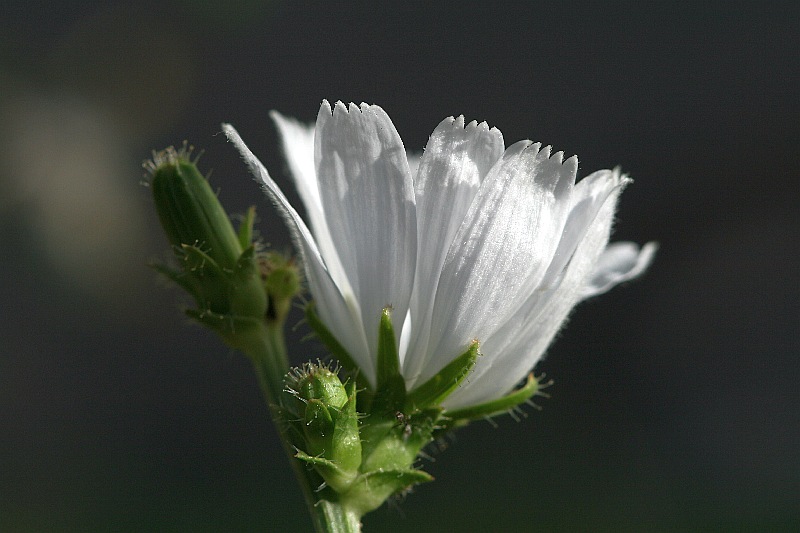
pixel 171 156
pixel 481 242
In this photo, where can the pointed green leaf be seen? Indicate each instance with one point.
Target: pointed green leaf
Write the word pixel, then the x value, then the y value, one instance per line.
pixel 418 428
pixel 212 286
pixel 388 358
pixel 334 475
pixel 346 440
pixel 246 228
pixel 397 479
pixel 390 392
pixel 318 461
pixel 246 264
pixel 318 427
pixel 370 490
pixel 435 390
pixel 200 263
pixel 495 407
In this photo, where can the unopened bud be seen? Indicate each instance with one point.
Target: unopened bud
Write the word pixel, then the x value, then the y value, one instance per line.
pixel 327 413
pixel 189 210
pixel 281 277
pixel 217 266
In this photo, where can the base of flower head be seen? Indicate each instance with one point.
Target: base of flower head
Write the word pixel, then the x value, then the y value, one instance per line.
pixel 382 426
pixel 390 392
pixel 363 457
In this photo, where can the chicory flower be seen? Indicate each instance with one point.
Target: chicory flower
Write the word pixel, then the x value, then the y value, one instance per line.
pixel 481 243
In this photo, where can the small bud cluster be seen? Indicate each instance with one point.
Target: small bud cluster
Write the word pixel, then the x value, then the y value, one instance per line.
pixel 363 458
pixel 325 410
pixel 235 286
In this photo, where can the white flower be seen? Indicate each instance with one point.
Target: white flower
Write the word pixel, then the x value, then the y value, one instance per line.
pixel 482 243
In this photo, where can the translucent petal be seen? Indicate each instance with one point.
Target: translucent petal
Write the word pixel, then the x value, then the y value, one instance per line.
pixel 368 201
pixel 455 162
pixel 515 348
pixel 621 261
pixel 587 199
pixel 502 250
pixel 297 140
pixel 298 148
pixel 339 314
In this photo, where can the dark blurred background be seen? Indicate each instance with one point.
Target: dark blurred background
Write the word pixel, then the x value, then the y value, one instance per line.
pixel 675 404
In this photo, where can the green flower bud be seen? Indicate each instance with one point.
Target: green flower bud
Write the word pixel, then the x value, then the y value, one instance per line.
pixel 320 383
pixel 189 210
pixel 328 422
pixel 281 277
pixel 218 267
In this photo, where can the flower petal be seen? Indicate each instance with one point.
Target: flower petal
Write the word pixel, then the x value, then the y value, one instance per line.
pixel 338 314
pixel 455 162
pixel 298 148
pixel 297 140
pixel 368 201
pixel 621 261
pixel 516 347
pixel 588 198
pixel 502 250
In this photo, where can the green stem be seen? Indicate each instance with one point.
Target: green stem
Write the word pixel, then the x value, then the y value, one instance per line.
pixel 268 353
pixel 331 516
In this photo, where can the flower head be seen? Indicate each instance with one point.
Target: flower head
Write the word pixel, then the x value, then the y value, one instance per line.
pixel 482 243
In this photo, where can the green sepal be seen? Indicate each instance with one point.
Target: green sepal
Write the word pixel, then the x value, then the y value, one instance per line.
pixel 245 233
pixel 384 446
pixel 390 390
pixel 318 427
pixel 370 490
pixel 236 331
pixel 316 461
pixel 337 350
pixel 346 437
pixel 198 262
pixel 246 266
pixel 495 407
pixel 399 479
pixel 329 470
pixel 247 295
pixel 435 390
pixel 210 286
pixel 393 442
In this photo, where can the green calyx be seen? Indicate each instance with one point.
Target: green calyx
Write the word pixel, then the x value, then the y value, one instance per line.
pixel 237 288
pixel 394 423
pixel 363 458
